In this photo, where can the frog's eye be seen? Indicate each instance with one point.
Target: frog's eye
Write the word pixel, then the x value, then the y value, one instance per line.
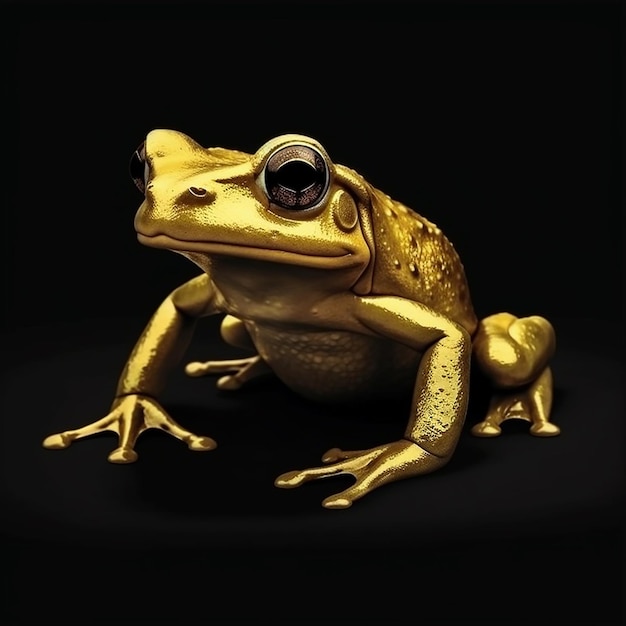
pixel 138 167
pixel 296 177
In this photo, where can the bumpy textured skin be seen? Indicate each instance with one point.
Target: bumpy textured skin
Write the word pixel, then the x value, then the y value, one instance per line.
pixel 415 260
pixel 343 296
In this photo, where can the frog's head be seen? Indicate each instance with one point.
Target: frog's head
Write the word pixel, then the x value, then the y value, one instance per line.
pixel 287 203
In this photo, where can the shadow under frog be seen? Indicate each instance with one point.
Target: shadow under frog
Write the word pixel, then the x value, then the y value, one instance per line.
pixel 341 292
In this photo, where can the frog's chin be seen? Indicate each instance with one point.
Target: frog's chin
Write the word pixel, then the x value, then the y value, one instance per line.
pixel 343 259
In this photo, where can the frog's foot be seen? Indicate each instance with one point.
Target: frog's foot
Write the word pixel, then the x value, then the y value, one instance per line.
pixel 130 416
pixel 371 468
pixel 244 370
pixel 531 404
pixel 487 428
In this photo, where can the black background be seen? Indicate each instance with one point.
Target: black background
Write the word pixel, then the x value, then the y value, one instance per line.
pixel 500 122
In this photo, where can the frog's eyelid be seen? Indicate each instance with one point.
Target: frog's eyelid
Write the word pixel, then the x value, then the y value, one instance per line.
pixel 260 181
pixel 313 161
pixel 138 173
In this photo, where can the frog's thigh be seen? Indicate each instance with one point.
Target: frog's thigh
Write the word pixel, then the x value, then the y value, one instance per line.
pixel 514 353
pixel 235 333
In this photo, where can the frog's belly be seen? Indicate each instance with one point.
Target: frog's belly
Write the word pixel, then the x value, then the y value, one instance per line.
pixel 336 366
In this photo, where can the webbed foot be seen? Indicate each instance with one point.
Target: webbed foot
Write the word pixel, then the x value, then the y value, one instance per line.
pixel 244 370
pixel 371 468
pixel 531 404
pixel 130 416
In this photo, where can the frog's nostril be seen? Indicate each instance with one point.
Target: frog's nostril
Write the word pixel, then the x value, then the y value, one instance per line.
pixel 138 167
pixel 199 192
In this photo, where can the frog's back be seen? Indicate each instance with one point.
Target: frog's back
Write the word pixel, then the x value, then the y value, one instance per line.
pixel 415 260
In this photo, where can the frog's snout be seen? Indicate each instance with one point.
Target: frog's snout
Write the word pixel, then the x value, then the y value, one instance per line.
pixel 138 167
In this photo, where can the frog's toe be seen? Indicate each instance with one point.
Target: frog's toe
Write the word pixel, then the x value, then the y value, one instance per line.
pixel 57 441
pixel 544 429
pixel 196 369
pixel 336 502
pixel 298 477
pixel 336 454
pixel 486 429
pixel 229 383
pixel 206 368
pixel 200 444
pixel 123 455
pixel 289 480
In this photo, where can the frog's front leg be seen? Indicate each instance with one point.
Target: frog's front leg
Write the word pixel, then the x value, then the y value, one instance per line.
pixel 161 345
pixel 438 407
pixel 239 371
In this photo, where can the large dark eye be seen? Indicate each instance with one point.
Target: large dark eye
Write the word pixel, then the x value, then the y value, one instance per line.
pixel 296 177
pixel 139 168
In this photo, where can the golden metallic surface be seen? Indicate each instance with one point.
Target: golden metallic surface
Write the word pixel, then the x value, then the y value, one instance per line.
pixel 332 286
pixel 515 354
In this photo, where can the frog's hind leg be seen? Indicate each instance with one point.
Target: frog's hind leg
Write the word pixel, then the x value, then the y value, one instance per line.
pixel 514 354
pixel 238 371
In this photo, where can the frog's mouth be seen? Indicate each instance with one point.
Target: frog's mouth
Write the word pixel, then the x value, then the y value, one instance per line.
pixel 344 257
